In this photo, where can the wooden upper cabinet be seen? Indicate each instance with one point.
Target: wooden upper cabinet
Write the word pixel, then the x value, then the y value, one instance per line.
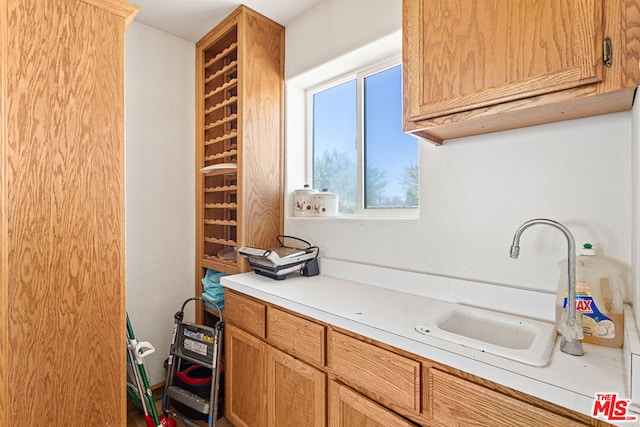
pixel 478 53
pixel 472 66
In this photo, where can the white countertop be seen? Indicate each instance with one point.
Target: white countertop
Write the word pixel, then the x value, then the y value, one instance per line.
pixel 390 316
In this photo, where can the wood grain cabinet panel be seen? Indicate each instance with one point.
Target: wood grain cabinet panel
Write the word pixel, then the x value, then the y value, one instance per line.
pixel 62 221
pixel 457 402
pixel 477 53
pixel 245 313
pixel 296 392
pixel 473 67
pixel 348 408
pixel 245 379
pixel 297 336
pixel 387 377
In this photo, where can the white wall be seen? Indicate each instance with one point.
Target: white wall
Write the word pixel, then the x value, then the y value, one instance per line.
pixel 336 27
pixel 160 186
pixel 475 191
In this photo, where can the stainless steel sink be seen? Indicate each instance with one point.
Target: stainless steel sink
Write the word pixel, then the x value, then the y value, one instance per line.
pixel 524 340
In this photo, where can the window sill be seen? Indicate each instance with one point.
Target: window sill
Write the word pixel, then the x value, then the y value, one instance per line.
pixel 386 217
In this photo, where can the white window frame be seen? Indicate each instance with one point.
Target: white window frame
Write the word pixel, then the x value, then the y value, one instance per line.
pixel 358 75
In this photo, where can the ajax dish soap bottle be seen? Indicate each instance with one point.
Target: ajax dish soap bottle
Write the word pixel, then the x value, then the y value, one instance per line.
pixel 599 296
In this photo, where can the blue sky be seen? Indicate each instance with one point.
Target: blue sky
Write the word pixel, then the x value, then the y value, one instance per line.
pixel 388 148
pixel 335 119
pixel 335 124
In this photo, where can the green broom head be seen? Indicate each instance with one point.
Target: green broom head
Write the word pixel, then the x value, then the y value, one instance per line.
pixel 134 396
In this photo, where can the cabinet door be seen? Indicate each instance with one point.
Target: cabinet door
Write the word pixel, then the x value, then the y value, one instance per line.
pixel 295 392
pixel 350 409
pixel 245 379
pixel 465 54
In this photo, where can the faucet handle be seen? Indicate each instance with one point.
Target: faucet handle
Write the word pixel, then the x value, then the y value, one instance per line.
pixel 572 330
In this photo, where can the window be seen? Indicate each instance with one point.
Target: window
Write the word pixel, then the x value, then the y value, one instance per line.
pixel 358 149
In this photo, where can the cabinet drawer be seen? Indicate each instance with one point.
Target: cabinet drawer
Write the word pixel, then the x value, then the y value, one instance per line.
pixel 455 401
pixel 386 377
pixel 295 335
pixel 245 313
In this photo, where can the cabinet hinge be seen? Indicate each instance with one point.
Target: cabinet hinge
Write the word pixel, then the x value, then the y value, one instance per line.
pixel 607 52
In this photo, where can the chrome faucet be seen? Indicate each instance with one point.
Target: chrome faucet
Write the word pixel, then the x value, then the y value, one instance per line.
pixel 571 327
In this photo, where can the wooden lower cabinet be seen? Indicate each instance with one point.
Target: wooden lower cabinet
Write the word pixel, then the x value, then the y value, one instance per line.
pixel 281 379
pixel 245 379
pixel 348 408
pixel 295 392
pixel 457 402
pixel 267 387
